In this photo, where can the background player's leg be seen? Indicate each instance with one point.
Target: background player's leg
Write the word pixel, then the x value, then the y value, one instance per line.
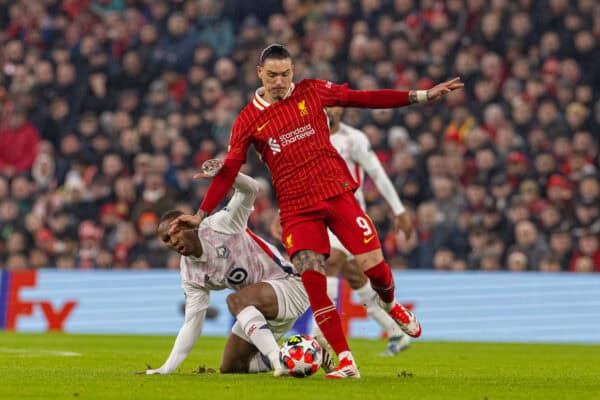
pixel 237 355
pixel 252 306
pixel 358 281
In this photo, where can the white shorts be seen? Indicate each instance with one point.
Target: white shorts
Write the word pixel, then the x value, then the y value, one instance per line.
pixel 335 243
pixel 292 302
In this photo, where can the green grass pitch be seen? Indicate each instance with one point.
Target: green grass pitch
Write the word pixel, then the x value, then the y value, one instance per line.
pixel 43 366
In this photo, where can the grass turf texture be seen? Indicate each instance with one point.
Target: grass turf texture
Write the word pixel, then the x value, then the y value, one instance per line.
pixel 31 367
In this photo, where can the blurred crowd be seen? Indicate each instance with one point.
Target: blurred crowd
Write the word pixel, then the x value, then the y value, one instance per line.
pixel 108 107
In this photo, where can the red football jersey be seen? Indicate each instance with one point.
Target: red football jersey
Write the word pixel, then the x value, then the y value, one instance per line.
pixel 292 138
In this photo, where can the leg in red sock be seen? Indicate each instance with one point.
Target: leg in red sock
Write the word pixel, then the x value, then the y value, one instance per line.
pixel 324 311
pixel 382 281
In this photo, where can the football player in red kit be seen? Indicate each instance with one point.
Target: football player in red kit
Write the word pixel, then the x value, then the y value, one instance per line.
pixel 288 127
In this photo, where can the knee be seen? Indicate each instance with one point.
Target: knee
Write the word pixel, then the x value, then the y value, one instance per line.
pixel 235 303
pixel 334 265
pixel 354 275
pixel 306 260
pixel 368 260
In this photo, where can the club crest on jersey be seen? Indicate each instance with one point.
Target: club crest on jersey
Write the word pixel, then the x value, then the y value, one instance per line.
pixel 222 252
pixel 302 108
pixel 274 146
pixel 288 241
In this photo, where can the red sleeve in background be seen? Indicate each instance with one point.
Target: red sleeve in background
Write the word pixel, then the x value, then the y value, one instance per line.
pixel 221 184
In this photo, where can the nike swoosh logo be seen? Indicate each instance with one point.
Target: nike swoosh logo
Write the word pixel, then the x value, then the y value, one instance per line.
pixel 261 127
pixel 367 240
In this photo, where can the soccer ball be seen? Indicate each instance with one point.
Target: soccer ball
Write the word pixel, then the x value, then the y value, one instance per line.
pixel 301 356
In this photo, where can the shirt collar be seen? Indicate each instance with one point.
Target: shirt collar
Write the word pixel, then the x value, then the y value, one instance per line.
pixel 259 101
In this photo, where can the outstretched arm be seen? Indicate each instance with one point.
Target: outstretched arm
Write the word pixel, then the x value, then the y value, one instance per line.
pixel 340 95
pixel 195 312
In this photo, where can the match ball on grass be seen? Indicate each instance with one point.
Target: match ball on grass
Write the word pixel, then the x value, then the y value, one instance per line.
pixel 301 356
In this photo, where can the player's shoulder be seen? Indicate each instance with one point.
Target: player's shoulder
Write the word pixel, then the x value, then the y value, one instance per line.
pixel 315 83
pixel 249 112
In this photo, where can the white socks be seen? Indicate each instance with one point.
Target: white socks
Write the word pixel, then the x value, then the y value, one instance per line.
pixel 369 299
pixel 256 329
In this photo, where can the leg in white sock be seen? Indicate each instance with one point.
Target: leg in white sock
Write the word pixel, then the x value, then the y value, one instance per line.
pixel 368 297
pixel 256 329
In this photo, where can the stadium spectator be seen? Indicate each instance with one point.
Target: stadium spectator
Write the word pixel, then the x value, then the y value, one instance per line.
pixel 529 243
pixel 19 140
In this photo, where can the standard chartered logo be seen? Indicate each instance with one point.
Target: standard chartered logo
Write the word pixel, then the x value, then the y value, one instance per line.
pixel 297 134
pixel 290 137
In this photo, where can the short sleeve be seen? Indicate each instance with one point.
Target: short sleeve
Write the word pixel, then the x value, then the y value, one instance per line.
pixel 331 94
pixel 361 148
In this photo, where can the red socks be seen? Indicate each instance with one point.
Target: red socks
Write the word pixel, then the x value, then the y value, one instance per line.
pixel 324 310
pixel 382 281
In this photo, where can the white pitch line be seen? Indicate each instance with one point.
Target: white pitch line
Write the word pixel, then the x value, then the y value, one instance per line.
pixel 33 353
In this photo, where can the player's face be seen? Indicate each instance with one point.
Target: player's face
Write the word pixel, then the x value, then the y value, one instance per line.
pixel 183 241
pixel 276 76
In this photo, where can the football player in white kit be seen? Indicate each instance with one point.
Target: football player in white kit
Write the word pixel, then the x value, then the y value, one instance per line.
pixel 354 147
pixel 223 253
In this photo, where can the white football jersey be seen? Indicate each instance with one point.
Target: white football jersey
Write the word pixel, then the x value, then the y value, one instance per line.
pixel 354 147
pixel 233 256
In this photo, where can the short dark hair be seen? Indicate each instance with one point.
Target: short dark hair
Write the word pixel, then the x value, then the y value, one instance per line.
pixel 276 51
pixel 169 216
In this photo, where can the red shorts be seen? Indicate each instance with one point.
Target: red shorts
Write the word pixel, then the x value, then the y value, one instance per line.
pixel 307 229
